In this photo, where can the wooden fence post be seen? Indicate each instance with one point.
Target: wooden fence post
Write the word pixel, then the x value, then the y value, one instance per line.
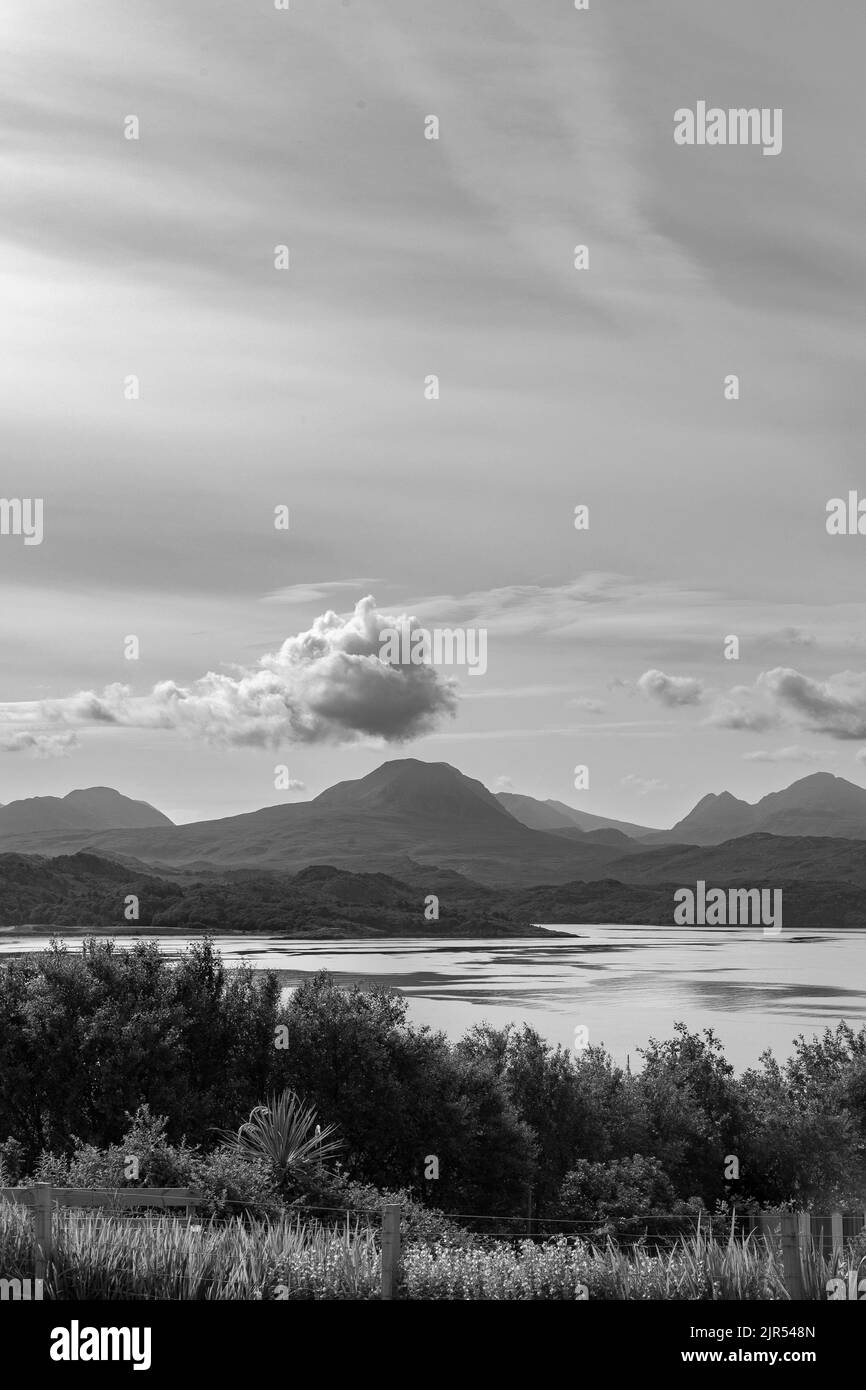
pixel 44 1244
pixel 793 1271
pixel 805 1237
pixel 390 1248
pixel 837 1231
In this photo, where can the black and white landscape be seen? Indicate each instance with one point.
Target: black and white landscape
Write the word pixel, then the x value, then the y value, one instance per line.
pixel 431 554
pixel 411 826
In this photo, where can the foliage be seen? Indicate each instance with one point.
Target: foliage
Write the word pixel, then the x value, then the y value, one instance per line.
pixel 284 1135
pixel 124 1257
pixel 94 1047
pixel 625 1187
pixel 400 1094
pixel 229 1183
pixel 85 1039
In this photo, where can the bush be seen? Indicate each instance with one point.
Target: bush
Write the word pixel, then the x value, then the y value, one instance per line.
pixel 341 1193
pixel 635 1186
pixel 11 1162
pixel 230 1183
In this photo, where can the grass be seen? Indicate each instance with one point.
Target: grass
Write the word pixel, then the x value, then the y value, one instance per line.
pixel 101 1255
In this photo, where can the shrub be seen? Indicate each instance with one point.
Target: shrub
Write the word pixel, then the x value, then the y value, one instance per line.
pixel 229 1182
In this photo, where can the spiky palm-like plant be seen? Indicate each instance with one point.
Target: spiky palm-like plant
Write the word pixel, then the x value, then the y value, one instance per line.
pixel 284 1133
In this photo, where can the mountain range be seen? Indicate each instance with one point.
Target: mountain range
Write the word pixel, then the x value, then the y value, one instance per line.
pixel 819 804
pixel 426 812
pixel 413 818
pixel 556 815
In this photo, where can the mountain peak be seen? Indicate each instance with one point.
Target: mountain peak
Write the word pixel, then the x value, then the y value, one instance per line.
pixel 718 799
pixel 86 808
pixel 112 809
pixel 818 804
pixel 717 816
pixel 410 785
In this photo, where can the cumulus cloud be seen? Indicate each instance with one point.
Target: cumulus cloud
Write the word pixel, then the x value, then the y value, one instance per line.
pixel 744 708
pixel 503 784
pixel 325 685
pixel 793 754
pixel 671 690
pixel 40 745
pixel 835 706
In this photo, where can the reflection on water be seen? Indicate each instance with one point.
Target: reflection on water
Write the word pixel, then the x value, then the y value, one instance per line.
pixel 625 984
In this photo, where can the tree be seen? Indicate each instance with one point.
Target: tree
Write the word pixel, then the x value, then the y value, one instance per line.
pixel 693 1111
pixel 403 1095
pixel 86 1038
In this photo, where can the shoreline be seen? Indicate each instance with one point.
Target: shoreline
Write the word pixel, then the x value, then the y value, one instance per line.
pixel 483 931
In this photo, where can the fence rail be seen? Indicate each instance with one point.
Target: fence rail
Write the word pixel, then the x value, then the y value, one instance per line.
pixel 803 1232
pixel 42 1198
pixel 800 1233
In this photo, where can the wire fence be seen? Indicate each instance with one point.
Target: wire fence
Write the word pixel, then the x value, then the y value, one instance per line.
pixel 81 1249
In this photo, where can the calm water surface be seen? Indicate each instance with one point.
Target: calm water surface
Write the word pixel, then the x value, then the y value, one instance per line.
pixel 624 984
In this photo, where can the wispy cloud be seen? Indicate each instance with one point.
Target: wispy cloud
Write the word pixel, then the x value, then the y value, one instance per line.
pixel 792 754
pixel 644 786
pixel 318 591
pixel 590 706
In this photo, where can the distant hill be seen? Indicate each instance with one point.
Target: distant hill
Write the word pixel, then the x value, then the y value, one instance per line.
pixel 76 894
pixel 805 903
pixel 94 808
pixel 748 861
pixel 427 812
pixel 427 823
pixel 85 891
pixel 713 819
pixel 556 815
pixel 819 804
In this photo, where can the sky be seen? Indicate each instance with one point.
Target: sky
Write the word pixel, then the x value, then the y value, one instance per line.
pixel 304 388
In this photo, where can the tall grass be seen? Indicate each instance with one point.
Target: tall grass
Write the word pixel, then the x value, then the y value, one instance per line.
pixel 110 1256
pixel 104 1255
